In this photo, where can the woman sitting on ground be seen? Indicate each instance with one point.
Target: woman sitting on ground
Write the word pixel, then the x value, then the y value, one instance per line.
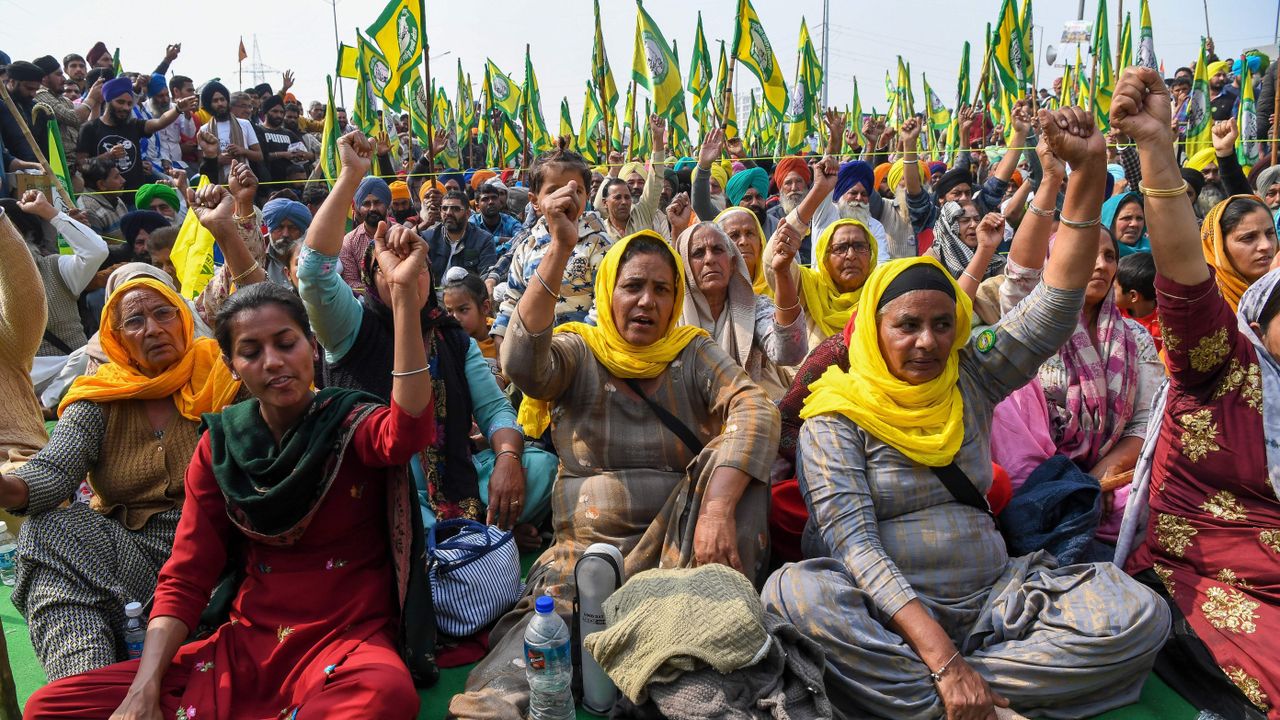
pixel 132 429
pixel 307 493
pixel 1099 386
pixel 919 607
pixel 687 492
pixel 744 231
pixel 357 339
pixel 760 335
pixel 1203 522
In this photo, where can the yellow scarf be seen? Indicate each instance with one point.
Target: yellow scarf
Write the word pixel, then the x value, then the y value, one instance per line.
pixel 924 422
pixel 199 382
pixel 826 305
pixel 1213 241
pixel 759 283
pixel 618 356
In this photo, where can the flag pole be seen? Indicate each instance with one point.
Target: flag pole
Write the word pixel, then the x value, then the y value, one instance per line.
pixel 431 102
pixel 35 149
pixel 631 141
pixel 1275 123
pixel 524 111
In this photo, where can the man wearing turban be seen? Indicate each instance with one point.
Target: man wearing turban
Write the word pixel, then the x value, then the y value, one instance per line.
pixel 1221 99
pixel 26 80
pixel 51 102
pixel 750 189
pixel 793 177
pixel 372 203
pixel 645 184
pixel 287 222
pixel 117 135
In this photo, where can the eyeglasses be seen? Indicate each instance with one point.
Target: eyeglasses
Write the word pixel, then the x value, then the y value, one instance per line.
pixel 858 248
pixel 452 209
pixel 967 220
pixel 163 315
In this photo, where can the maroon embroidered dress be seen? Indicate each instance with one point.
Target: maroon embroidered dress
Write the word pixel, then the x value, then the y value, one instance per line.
pixel 1213 534
pixel 313 628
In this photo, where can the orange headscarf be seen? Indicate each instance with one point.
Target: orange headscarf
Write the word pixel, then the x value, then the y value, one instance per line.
pixel 1213 241
pixel 199 382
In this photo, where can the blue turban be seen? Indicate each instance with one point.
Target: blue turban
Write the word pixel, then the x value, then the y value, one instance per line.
pixel 455 176
pixel 376 187
pixel 133 223
pixel 685 162
pixel 116 87
pixel 745 179
pixel 156 85
pixel 280 209
pixel 853 173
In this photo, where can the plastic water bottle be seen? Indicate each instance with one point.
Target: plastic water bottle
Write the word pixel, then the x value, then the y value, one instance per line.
pixel 8 555
pixel 548 664
pixel 135 630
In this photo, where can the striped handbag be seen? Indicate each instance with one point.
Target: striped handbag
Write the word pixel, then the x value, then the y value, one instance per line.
pixel 475 575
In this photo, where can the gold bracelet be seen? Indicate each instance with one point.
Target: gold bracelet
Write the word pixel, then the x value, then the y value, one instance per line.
pixel 243 220
pixel 1037 211
pixel 236 279
pixel 1166 193
pixel 1080 225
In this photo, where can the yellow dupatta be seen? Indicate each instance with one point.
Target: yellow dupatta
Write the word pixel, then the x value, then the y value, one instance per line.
pixel 826 306
pixel 618 356
pixel 1213 241
pixel 199 382
pixel 925 422
pixel 759 283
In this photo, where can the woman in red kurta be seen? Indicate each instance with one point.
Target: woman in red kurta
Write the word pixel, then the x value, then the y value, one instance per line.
pixel 302 482
pixel 1213 517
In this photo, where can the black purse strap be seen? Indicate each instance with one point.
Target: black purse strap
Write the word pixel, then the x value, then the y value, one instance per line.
pixel 56 341
pixel 961 487
pixel 672 422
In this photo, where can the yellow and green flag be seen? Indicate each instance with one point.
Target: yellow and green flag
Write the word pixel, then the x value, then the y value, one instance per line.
pixel 505 93
pixel 724 97
pixel 800 121
pixel 1247 146
pixel 465 105
pixel 855 115
pixel 751 48
pixel 374 76
pixel 601 74
pixel 1125 58
pixel 192 253
pixel 1026 26
pixel 1146 42
pixel 1199 119
pixel 566 120
pixel 589 128
pixel 939 115
pixel 535 126
pixel 418 105
pixel 348 57
pixel 442 114
pixel 1008 49
pixel 330 164
pixel 700 75
pixel 398 33
pixel 1104 79
pixel 58 159
pixel 655 68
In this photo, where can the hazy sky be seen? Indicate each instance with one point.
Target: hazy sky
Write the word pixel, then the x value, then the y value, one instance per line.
pixel 865 36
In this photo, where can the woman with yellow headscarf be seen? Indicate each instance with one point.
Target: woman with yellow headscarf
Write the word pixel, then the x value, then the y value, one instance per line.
pixel 914 598
pixel 131 428
pixel 1238 237
pixel 844 256
pixel 665 444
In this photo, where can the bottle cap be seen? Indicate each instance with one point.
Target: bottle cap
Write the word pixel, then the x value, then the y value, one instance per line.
pixel 133 609
pixel 545 605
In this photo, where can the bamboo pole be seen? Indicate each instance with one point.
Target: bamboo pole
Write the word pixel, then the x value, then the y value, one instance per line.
pixel 524 116
pixel 35 148
pixel 431 102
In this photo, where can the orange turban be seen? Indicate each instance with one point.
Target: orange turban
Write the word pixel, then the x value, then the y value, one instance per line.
pixel 881 173
pixel 399 190
pixel 478 177
pixel 791 164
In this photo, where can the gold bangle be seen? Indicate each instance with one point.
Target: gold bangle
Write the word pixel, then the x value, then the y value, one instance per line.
pixel 1165 193
pixel 1085 225
pixel 235 280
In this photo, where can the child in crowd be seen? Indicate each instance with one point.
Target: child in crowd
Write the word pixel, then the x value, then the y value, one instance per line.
pixel 1136 292
pixel 467 299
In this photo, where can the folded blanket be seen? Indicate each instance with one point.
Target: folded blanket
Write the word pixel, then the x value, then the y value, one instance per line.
pixel 664 623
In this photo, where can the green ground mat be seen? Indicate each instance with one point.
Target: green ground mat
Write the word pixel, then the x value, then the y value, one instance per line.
pixel 1158 701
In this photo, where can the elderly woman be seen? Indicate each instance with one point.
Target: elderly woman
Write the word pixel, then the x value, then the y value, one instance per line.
pixel 760 335
pixel 1203 522
pixel 131 428
pixel 306 491
pixel 1124 218
pixel 919 607
pixel 742 225
pixel 956 243
pixel 688 490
